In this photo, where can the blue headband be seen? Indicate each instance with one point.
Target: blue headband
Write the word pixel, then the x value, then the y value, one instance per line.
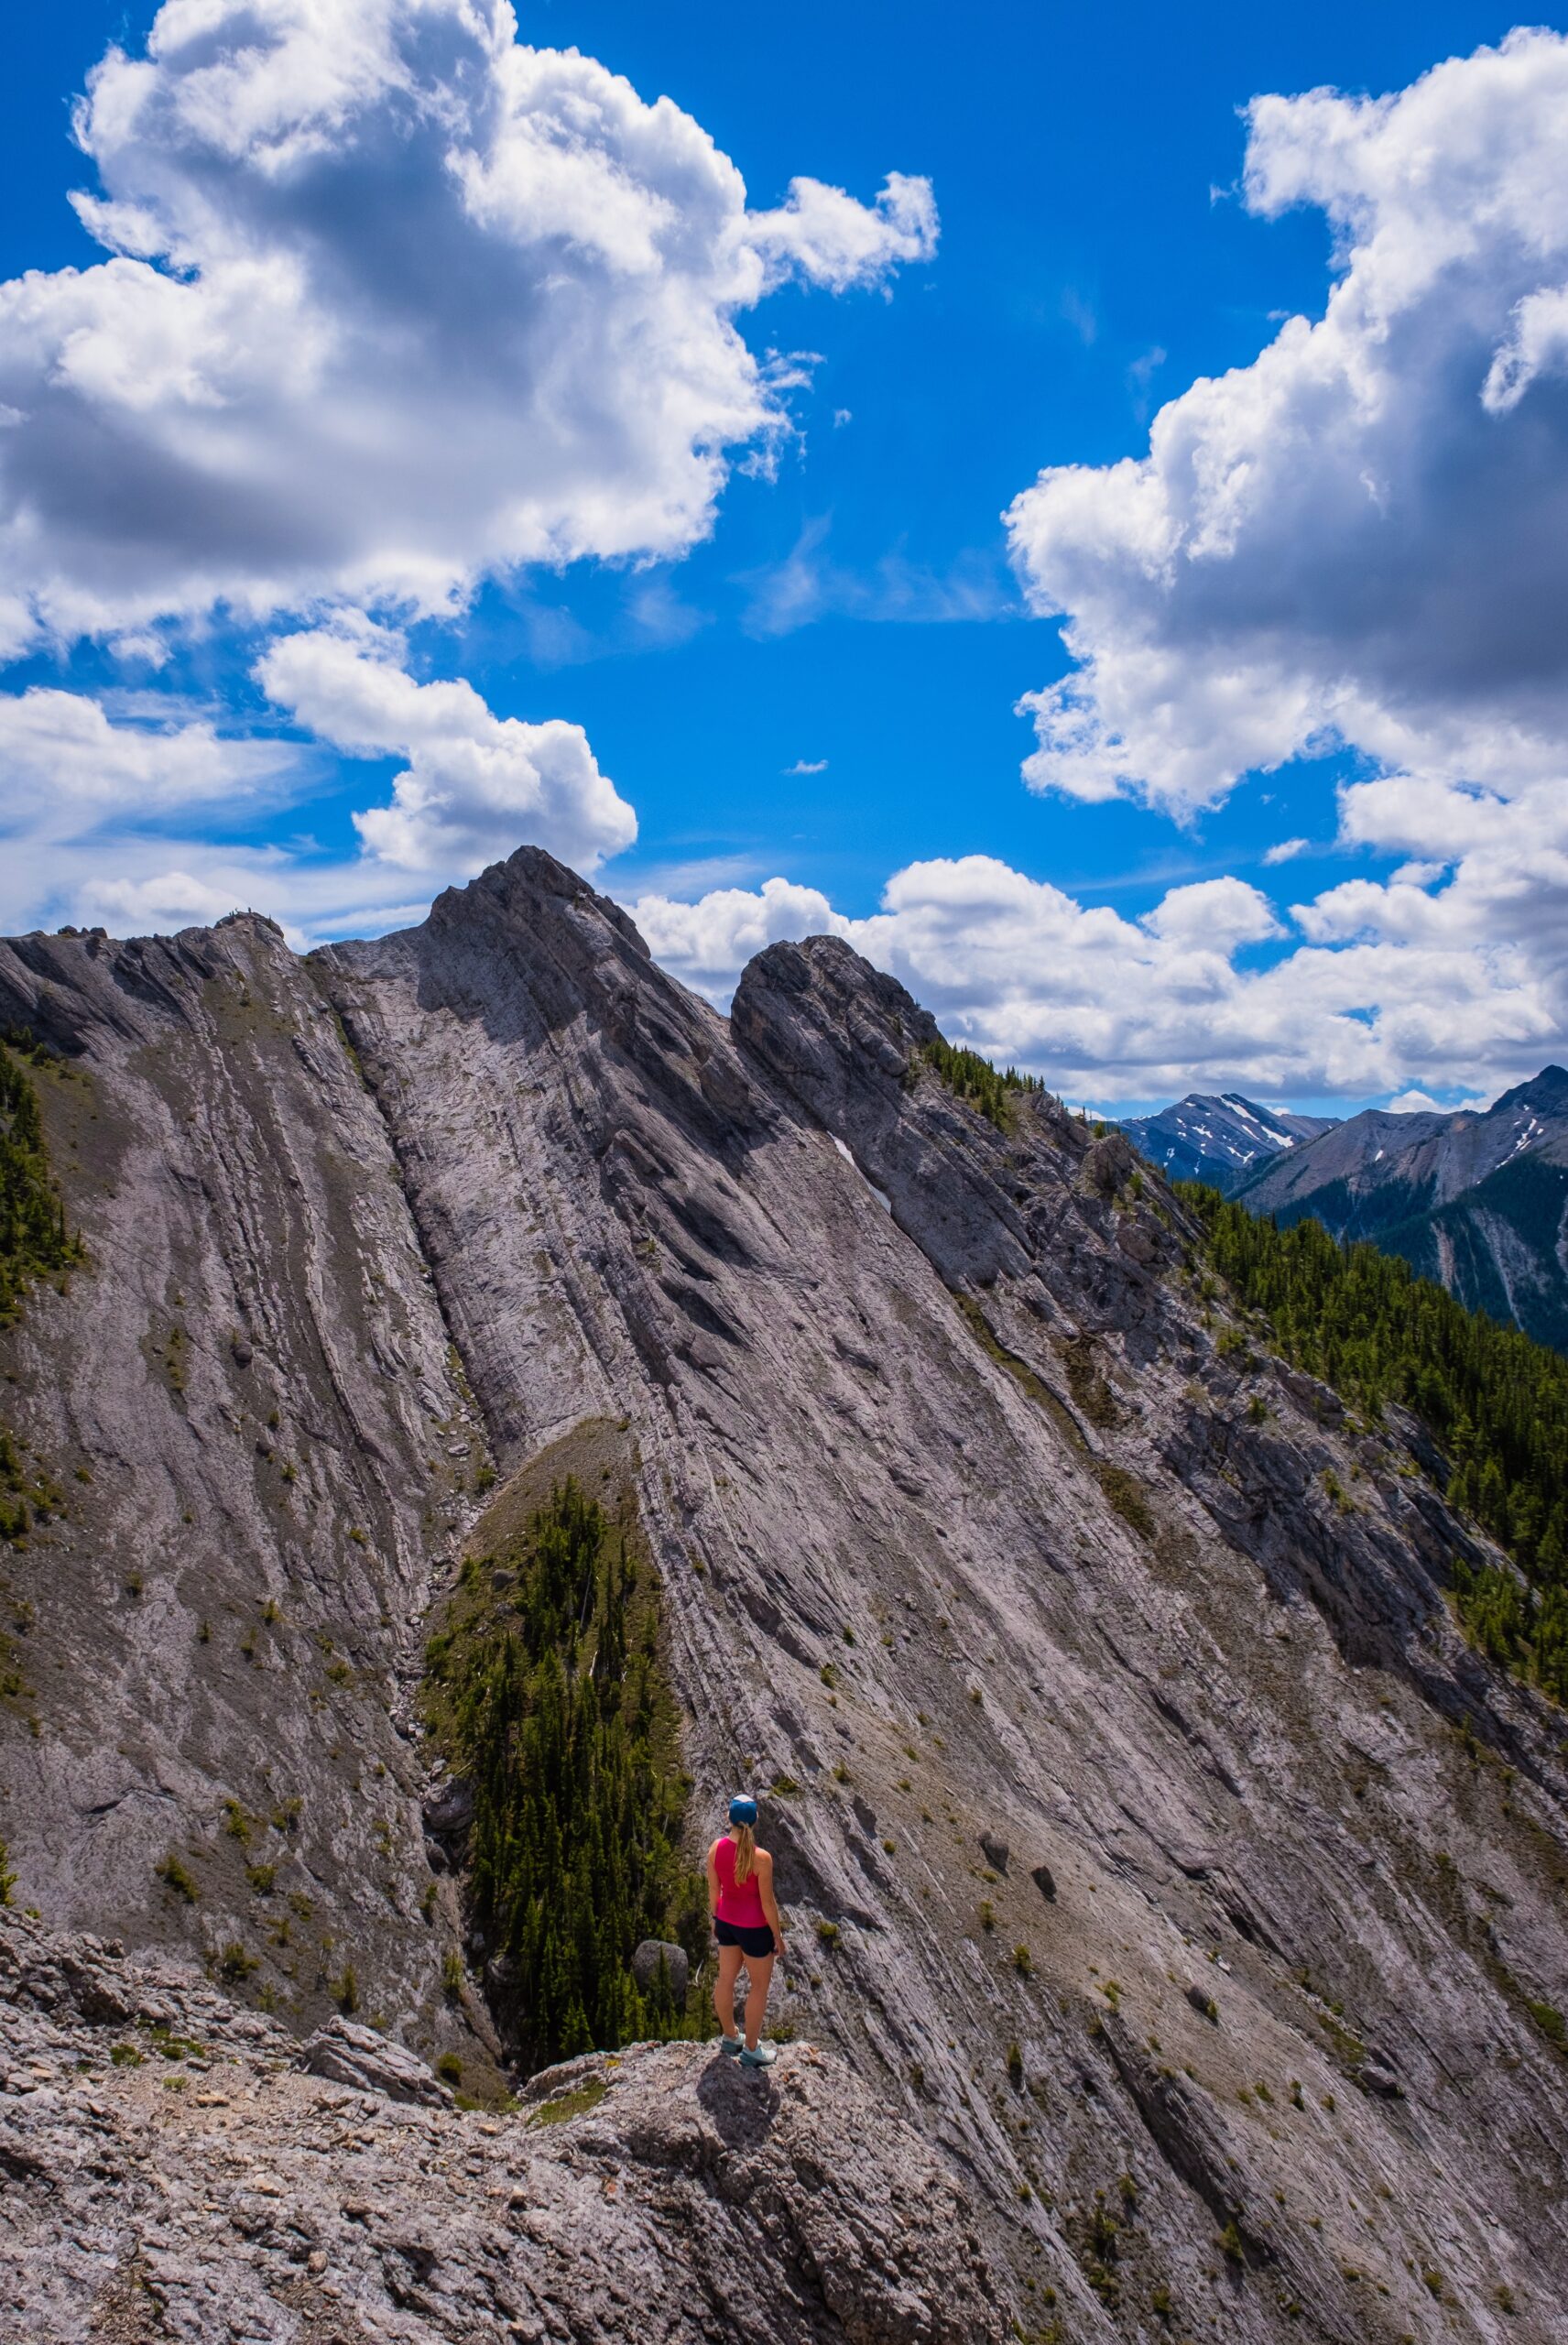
pixel 743 1810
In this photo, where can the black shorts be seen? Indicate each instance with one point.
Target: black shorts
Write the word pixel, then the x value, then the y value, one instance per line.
pixel 749 1941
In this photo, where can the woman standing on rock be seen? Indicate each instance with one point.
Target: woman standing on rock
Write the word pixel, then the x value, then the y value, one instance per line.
pixel 746 1924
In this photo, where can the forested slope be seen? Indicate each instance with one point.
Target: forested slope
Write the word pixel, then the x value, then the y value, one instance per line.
pixel 1476 1201
pixel 1495 1403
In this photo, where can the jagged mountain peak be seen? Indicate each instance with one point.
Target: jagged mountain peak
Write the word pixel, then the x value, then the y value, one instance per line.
pixel 1093 1670
pixel 1221 1138
pixel 526 885
pixel 1545 1094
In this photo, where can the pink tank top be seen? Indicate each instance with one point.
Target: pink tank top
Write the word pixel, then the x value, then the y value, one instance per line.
pixel 742 1906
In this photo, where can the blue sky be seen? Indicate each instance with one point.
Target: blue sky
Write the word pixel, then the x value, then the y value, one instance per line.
pixel 823 686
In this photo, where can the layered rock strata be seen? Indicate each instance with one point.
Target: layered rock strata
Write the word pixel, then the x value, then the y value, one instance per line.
pixel 1150 1839
pixel 250 1402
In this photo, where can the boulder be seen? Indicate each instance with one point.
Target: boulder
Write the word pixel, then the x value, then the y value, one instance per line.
pixel 997 1852
pixel 1377 2075
pixel 645 1966
pixel 348 2055
pixel 449 1810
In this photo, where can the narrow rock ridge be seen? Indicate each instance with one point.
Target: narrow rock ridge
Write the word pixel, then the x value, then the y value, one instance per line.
pixel 969 1526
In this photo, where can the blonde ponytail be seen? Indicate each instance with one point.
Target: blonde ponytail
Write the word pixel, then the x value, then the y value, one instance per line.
pixel 746 1852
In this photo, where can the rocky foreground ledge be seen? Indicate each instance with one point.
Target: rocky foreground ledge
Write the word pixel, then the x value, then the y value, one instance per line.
pixel 173 2166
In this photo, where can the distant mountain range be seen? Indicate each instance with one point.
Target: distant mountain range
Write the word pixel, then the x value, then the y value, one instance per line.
pixel 1478 1200
pixel 1221 1139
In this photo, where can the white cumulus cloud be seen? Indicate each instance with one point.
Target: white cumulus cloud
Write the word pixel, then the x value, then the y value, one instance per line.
pixel 475 784
pixel 1377 989
pixel 394 301
pixel 65 763
pixel 708 942
pixel 119 812
pixel 823 234
pixel 1363 536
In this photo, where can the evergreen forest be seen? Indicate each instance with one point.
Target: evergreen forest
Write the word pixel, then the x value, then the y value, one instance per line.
pixel 1495 1403
pixel 34 1241
pixel 977 1081
pixel 558 1714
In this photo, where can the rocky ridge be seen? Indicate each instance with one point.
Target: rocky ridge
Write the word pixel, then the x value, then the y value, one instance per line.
pixel 1151 1841
pixel 262 1437
pixel 177 2168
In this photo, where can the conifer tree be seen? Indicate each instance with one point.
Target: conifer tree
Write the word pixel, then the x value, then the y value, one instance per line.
pixel 977 1081
pixel 34 1241
pixel 577 1821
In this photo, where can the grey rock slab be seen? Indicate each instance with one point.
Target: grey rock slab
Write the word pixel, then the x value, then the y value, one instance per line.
pixel 347 2055
pixel 242 1396
pixel 789 2207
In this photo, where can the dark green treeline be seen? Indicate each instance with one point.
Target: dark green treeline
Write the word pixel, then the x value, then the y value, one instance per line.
pixel 34 1241
pixel 976 1079
pixel 560 1719
pixel 1496 1403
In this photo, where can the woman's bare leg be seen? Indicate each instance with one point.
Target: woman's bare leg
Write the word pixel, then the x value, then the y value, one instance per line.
pixel 730 1959
pixel 759 1968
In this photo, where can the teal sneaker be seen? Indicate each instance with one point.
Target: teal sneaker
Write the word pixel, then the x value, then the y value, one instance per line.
pixel 763 2058
pixel 730 2043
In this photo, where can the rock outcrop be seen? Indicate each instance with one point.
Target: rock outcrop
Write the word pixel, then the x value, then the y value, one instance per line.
pixel 975 1517
pixel 170 2171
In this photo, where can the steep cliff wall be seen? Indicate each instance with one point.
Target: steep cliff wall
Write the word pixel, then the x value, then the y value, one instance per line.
pixel 249 1398
pixel 1149 1837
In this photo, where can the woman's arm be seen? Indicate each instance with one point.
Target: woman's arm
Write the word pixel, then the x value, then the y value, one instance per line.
pixel 769 1903
pixel 713 1884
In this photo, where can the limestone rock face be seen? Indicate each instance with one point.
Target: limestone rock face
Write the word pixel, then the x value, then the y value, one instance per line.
pixel 649 2200
pixel 249 1401
pixel 973 1516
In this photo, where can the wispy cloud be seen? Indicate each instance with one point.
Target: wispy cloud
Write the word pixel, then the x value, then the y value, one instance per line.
pixel 1080 315
pixel 1286 851
pixel 808 765
pixel 1140 374
pixel 685 875
pixel 807 586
